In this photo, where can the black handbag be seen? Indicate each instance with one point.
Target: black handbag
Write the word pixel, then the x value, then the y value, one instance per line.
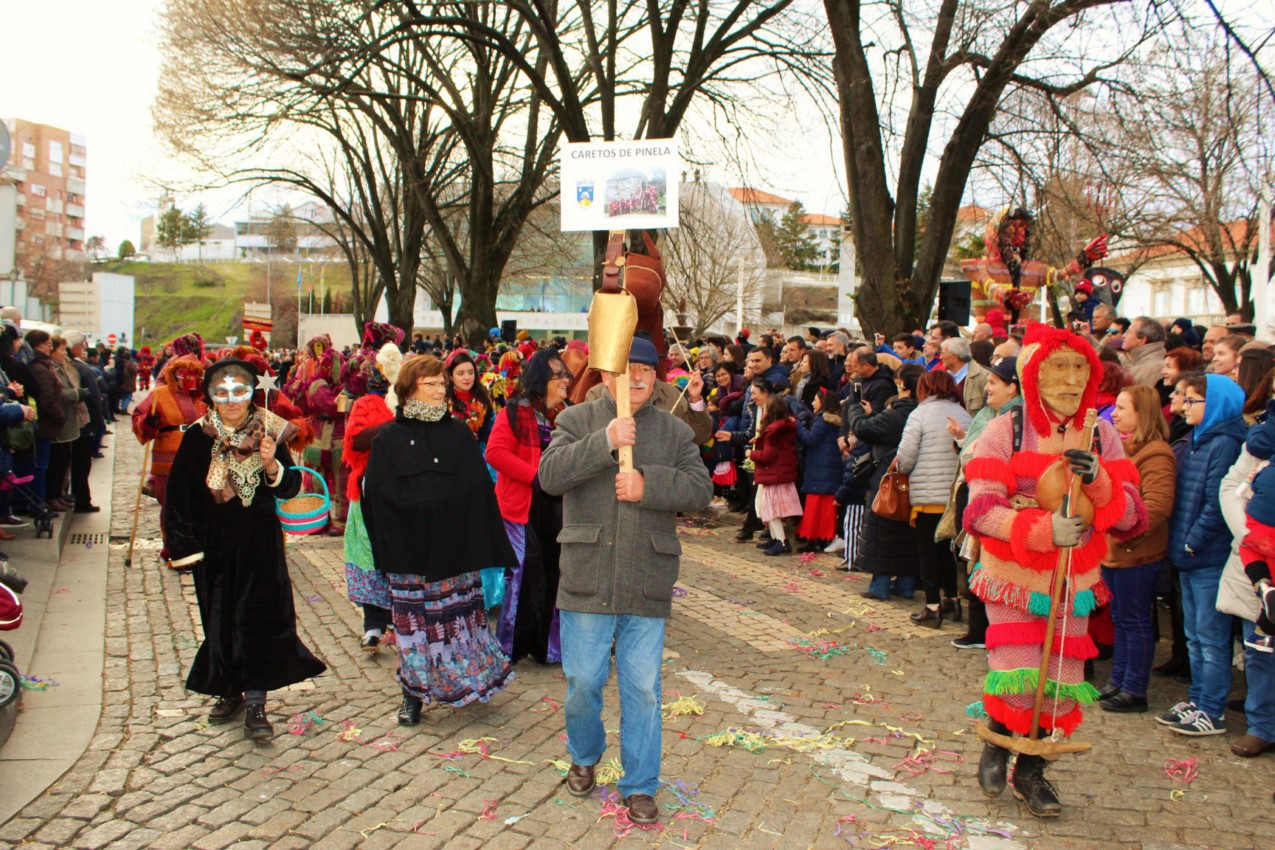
pixel 862 467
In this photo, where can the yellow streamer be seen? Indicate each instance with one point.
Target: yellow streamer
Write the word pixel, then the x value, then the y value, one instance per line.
pixel 682 707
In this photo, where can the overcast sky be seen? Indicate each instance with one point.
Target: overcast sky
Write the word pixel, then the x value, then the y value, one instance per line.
pixel 94 70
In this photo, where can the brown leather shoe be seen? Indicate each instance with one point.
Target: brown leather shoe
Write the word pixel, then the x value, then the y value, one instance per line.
pixel 1251 746
pixel 642 808
pixel 581 780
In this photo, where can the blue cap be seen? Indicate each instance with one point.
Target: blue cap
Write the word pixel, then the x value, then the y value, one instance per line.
pixel 643 351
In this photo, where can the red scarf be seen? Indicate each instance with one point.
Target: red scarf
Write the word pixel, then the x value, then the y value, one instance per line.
pixel 469 410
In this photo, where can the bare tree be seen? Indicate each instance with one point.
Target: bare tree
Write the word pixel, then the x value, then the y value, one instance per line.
pixel 941 74
pixel 1186 143
pixel 713 253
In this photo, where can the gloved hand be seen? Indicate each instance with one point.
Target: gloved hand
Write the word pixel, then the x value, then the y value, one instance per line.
pixel 1067 529
pixel 1083 463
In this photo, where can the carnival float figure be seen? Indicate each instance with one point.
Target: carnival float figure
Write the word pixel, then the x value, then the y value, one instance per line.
pixel 1045 489
pixel 176 402
pixel 316 391
pixel 1008 277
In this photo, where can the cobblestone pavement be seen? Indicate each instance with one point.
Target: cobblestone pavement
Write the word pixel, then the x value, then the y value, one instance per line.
pixel 851 725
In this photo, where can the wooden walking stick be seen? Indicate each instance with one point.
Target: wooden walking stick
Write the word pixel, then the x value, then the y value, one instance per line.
pixel 137 505
pixel 1033 745
pixel 613 317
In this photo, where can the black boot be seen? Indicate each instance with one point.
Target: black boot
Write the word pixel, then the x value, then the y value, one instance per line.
pixel 1031 786
pixel 993 765
pixel 255 723
pixel 409 713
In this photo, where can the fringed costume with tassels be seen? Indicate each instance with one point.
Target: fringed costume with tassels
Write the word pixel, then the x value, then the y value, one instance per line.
pixel 1015 571
pixel 315 391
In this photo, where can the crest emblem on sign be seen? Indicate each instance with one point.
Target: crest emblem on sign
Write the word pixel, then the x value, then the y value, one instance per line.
pixel 584 193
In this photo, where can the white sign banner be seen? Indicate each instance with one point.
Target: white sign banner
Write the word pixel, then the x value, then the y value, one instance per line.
pixel 620 185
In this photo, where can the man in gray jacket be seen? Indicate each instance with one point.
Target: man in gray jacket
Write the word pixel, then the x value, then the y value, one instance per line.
pixel 618 565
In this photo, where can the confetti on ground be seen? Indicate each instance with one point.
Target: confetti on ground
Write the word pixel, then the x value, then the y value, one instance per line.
pixel 756 741
pixel 302 723
pixel 926 761
pixel 1187 770
pixel 35 683
pixel 1176 795
pixel 489 810
pixel 608 773
pixel 682 706
pixel 371 829
pixel 513 819
pixel 614 808
pixel 976 710
pixel 62 590
pixel 688 804
pixel 791 587
pixel 813 573
pixel 313 598
pixel 816 646
pixel 809 558
pixel 678 592
pixel 456 770
pixel 387 743
pixel 878 655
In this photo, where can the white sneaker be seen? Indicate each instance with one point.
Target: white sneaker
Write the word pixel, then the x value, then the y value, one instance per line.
pixel 1177 714
pixel 836 545
pixel 718 504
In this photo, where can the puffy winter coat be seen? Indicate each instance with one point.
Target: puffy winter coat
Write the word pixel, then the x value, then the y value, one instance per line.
pixel 775 453
pixel 823 470
pixel 927 453
pixel 1235 592
pixel 1156 469
pixel 1198 536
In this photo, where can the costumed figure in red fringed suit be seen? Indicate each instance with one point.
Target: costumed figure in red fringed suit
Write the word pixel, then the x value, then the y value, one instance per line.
pixel 145 365
pixel 191 343
pixel 318 397
pixel 177 401
pixel 258 341
pixel 1020 473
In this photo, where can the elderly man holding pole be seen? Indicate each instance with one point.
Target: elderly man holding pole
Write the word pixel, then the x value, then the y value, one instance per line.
pixel 619 563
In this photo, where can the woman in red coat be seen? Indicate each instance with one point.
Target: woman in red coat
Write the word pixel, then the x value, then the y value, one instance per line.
pixel 774 457
pixel 529 620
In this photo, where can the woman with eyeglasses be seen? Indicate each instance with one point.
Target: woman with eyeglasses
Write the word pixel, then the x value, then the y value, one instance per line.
pixel 1199 544
pixel 220 520
pixel 532 518
pixel 433 523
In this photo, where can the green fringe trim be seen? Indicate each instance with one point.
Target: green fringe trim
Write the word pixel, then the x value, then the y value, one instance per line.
pixel 1038 606
pixel 1024 679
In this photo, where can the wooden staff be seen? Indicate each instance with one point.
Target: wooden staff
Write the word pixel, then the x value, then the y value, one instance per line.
pixel 1060 578
pixel 137 505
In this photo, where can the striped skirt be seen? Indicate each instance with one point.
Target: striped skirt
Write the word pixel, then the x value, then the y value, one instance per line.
pixel 446 652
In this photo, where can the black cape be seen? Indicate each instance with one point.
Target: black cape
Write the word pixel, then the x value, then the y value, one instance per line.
pixel 429 502
pixel 242 584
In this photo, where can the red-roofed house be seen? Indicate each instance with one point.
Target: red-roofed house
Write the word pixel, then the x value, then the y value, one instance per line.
pixel 759 203
pixel 1166 283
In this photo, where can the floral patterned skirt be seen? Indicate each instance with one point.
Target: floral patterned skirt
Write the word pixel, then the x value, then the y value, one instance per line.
pixel 446 652
pixel 364 585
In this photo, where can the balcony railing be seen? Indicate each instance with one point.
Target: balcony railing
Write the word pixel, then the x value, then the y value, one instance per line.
pixel 76 210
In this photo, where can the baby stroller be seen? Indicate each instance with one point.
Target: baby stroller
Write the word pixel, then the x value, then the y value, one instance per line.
pixel 41 516
pixel 11 584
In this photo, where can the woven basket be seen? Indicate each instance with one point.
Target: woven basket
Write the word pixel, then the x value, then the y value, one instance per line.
pixel 305 513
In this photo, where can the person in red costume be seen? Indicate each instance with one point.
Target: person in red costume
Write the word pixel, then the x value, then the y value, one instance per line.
pixel 1017 480
pixel 316 391
pixel 176 402
pixel 145 365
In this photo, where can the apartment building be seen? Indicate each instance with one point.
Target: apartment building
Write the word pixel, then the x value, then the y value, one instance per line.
pixel 48 169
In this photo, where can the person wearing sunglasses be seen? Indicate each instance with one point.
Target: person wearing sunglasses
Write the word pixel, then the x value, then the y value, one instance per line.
pixel 221 524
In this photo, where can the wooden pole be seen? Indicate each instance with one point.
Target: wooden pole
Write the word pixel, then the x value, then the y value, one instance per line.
pixel 623 410
pixel 137 504
pixel 1060 579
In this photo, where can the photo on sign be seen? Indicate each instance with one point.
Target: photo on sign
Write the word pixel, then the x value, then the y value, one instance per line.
pixel 634 192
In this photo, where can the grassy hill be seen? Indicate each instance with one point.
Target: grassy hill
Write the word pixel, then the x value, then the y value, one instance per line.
pixel 177 298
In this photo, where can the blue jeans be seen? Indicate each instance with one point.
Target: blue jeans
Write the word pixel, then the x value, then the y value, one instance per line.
pixel 1208 640
pixel 586 662
pixel 1259 706
pixel 1132 607
pixel 883 585
pixel 43 448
